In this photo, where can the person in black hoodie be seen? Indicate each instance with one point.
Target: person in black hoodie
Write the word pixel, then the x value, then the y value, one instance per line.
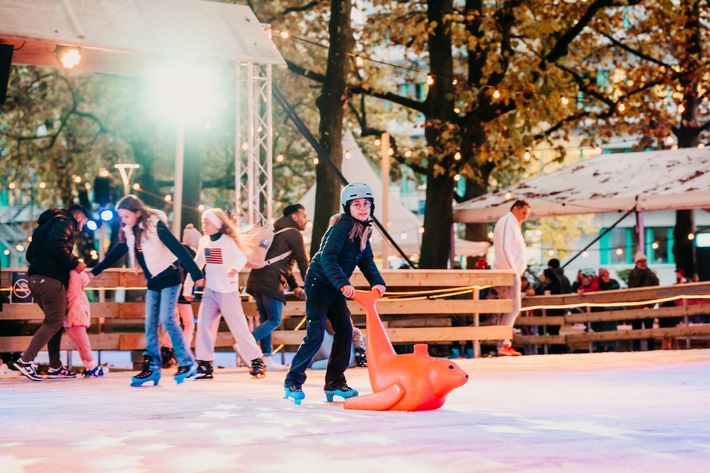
pixel 51 260
pixel 345 245
pixel 267 284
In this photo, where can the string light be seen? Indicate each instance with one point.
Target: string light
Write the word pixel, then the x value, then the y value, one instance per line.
pixel 429 79
pixel 359 61
pixel 12 185
pixel 315 160
pixel 508 195
pixel 408 153
pixel 681 108
pixel 42 185
pixel 136 186
pixel 377 142
pixel 457 177
pixel 279 158
pixel 619 251
pixel 457 156
pixel 168 198
pixel 390 152
pixel 621 107
pixel 564 100
pixel 284 34
pixel 77 179
pixel 526 156
pixel 691 236
pixel 496 94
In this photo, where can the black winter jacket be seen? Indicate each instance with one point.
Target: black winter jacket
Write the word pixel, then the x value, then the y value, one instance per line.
pixel 50 253
pixel 338 256
pixel 271 280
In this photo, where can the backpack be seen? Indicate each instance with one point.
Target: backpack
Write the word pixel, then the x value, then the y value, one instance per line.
pixel 255 243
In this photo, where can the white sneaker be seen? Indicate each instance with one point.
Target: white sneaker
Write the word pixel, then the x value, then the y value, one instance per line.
pixel 273 365
pixel 6 372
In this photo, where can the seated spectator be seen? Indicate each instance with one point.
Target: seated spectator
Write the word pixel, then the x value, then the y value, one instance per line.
pixel 589 281
pixel 525 288
pixel 554 264
pixel 606 283
pixel 642 276
pixel 577 282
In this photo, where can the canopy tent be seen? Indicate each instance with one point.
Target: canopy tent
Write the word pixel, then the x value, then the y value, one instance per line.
pixel 403 225
pixel 130 36
pixel 125 36
pixel 653 180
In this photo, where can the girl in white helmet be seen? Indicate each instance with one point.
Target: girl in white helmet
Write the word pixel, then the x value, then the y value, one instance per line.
pixel 345 245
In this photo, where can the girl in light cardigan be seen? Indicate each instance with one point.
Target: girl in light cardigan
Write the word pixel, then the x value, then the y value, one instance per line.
pixel 148 241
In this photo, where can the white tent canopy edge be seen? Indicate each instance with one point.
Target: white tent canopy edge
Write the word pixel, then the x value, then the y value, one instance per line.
pixel 652 180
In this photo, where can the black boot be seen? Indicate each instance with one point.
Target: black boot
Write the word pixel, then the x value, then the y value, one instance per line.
pixel 150 372
pixel 204 370
pixel 258 368
pixel 167 354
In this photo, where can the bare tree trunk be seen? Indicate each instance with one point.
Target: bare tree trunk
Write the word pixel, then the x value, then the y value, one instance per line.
pixel 331 104
pixel 438 215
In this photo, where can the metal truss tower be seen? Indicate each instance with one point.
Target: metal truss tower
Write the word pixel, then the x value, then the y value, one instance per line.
pixel 254 144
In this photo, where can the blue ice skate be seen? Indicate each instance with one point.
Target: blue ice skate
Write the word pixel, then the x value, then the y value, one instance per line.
pixel 185 372
pixel 149 373
pixel 343 391
pixel 294 394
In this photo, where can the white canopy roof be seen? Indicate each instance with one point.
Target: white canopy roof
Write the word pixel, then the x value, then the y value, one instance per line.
pixel 124 36
pixel 653 180
pixel 403 225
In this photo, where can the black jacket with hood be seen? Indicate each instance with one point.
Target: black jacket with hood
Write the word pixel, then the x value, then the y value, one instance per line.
pixel 271 280
pixel 50 253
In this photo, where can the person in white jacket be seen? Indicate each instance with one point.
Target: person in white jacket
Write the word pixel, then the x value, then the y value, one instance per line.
pixel 509 247
pixel 220 254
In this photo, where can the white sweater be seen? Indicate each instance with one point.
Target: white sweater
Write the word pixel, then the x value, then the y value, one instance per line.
pixel 509 245
pixel 218 257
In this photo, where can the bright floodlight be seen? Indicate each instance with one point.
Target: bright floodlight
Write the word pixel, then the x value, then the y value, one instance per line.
pixel 186 88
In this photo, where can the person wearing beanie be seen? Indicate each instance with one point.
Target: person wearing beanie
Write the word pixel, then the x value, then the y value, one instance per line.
pixel 183 310
pixel 642 276
pixel 345 245
pixel 220 252
pixel 266 285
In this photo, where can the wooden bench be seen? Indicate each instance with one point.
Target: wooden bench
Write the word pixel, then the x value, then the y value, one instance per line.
pixel 415 310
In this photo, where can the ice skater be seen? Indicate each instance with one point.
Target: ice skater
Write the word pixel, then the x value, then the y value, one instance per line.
pixel 149 243
pixel 345 245
pixel 219 253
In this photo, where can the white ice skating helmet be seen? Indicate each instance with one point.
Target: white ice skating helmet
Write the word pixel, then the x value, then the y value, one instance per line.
pixel 356 190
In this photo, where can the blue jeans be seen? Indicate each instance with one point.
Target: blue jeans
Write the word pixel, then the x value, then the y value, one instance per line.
pixel 323 301
pixel 160 310
pixel 270 310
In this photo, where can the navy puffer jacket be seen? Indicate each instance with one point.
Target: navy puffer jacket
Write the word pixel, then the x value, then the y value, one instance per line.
pixel 338 256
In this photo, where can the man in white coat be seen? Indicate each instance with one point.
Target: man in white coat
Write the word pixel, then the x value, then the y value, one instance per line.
pixel 510 248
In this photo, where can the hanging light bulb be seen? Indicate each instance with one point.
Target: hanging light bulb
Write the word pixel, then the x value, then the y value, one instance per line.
pixel 68 56
pixel 496 94
pixel 457 156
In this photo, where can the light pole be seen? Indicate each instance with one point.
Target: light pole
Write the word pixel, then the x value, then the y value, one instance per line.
pixel 126 170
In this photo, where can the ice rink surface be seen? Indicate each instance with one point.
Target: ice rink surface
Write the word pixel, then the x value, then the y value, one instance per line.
pixel 611 412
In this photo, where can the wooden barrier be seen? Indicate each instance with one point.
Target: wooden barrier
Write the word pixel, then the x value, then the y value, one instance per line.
pixel 617 306
pixel 413 311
